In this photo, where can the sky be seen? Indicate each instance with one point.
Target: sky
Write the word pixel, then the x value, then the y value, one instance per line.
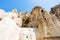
pixel 27 5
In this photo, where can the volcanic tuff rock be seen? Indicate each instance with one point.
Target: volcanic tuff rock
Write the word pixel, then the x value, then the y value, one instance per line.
pixel 47 23
pixel 42 23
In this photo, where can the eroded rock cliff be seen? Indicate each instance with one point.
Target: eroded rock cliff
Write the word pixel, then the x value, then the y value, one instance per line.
pixel 30 26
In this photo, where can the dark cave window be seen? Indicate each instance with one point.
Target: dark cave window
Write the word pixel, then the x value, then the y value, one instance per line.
pixel 18 16
pixel 45 18
pixel 27 21
pixel 24 25
pixel 41 10
pixel 37 26
pixel 26 36
pixel 0 19
pixel 31 26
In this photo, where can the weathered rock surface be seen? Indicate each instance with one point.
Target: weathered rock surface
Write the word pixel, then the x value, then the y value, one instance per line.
pixel 27 34
pixel 56 10
pixel 30 26
pixel 10 31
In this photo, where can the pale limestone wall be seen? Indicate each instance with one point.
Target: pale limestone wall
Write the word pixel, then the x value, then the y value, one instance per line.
pixel 46 24
pixel 27 34
pixel 10 31
pixel 18 21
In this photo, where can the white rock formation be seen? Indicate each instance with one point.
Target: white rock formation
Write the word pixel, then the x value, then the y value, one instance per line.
pixel 8 29
pixel 21 15
pixel 2 13
pixel 27 34
pixel 11 14
pixel 18 21
pixel 11 23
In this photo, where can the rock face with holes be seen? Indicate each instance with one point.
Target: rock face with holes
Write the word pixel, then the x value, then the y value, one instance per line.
pixel 37 20
pixel 30 26
pixel 10 31
pixel 10 27
pixel 27 34
pixel 46 23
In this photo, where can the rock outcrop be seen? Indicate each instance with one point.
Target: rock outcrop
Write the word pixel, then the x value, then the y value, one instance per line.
pixel 56 10
pixel 47 24
pixel 30 26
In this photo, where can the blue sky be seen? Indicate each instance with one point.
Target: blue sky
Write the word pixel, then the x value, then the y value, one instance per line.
pixel 27 5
